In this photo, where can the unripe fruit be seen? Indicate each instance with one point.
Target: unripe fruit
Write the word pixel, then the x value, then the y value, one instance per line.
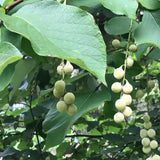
pixel 139 94
pixel 60 70
pixel 119 117
pixel 127 88
pixel 60 85
pixel 68 68
pixel 69 98
pixel 143 133
pixel 115 43
pixel 118 73
pixel 72 110
pixel 149 158
pixel 145 142
pixel 58 94
pixel 127 98
pixel 154 144
pixel 116 87
pixel 120 104
pixel 146 118
pixel 146 150
pixel 61 106
pixel 47 158
pixel 151 84
pixel 147 125
pixel 127 112
pixel 132 47
pixel 129 61
pixel 151 133
pixel 21 158
pixel 156 157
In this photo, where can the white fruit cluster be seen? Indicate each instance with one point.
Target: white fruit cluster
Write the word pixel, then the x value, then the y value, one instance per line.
pixel 148 138
pixel 66 99
pixel 125 100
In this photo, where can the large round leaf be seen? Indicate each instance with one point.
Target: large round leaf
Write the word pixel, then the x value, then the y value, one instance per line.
pixel 149 30
pixel 150 4
pixel 56 124
pixel 61 31
pixel 122 7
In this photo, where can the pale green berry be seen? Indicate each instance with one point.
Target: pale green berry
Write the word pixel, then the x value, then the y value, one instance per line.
pixel 118 73
pixel 127 98
pixel 58 94
pixel 146 118
pixel 151 84
pixel 119 117
pixel 47 158
pixel 61 106
pixel 127 88
pixel 60 85
pixel 60 69
pixel 145 142
pixel 147 125
pixel 143 133
pixel 115 43
pixel 146 150
pixel 154 144
pixel 151 133
pixel 132 47
pixel 72 110
pixel 139 94
pixel 68 68
pixel 149 158
pixel 69 98
pixel 116 87
pixel 129 62
pixel 127 112
pixel 156 157
pixel 120 104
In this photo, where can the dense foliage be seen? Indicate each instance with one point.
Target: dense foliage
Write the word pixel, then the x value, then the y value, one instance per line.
pixel 108 107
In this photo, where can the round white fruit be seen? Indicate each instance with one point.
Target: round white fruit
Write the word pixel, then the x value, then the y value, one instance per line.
pixel 119 117
pixel 120 104
pixel 143 133
pixel 129 61
pixel 127 98
pixel 127 88
pixel 151 133
pixel 68 68
pixel 116 87
pixel 118 73
pixel 147 125
pixel 153 144
pixel 127 112
pixel 139 93
pixel 115 43
pixel 60 70
pixel 145 142
pixel 146 150
pixel 156 157
pixel 146 118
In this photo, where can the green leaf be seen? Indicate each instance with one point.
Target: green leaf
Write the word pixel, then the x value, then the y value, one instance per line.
pixel 119 25
pixel 122 7
pixel 7 75
pixel 8 152
pixel 150 4
pixel 56 124
pixel 62 31
pixel 155 54
pixel 149 30
pixel 21 70
pixel 9 54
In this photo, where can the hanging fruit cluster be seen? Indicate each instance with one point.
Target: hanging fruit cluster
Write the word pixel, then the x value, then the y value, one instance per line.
pixel 66 98
pixel 148 139
pixel 122 104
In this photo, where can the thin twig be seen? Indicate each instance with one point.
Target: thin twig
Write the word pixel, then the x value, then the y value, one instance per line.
pixel 84 135
pixel 10 6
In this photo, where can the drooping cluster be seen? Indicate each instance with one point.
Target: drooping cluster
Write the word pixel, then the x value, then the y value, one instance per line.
pixel 148 138
pixel 122 104
pixel 66 98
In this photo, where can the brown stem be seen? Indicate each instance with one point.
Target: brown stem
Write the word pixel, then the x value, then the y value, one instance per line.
pixel 84 135
pixel 10 6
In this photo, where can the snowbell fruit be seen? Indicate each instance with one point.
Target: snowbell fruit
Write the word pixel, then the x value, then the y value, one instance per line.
pixel 72 109
pixel 116 87
pixel 145 142
pixel 151 133
pixel 127 98
pixel 120 104
pixel 154 144
pixel 132 47
pixel 127 88
pixel 118 73
pixel 58 94
pixel 156 157
pixel 146 150
pixel 60 70
pixel 60 85
pixel 115 43
pixel 143 133
pixel 119 117
pixel 68 68
pixel 139 94
pixel 147 125
pixel 127 112
pixel 61 106
pixel 129 62
pixel 151 84
pixel 69 98
pixel 146 118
